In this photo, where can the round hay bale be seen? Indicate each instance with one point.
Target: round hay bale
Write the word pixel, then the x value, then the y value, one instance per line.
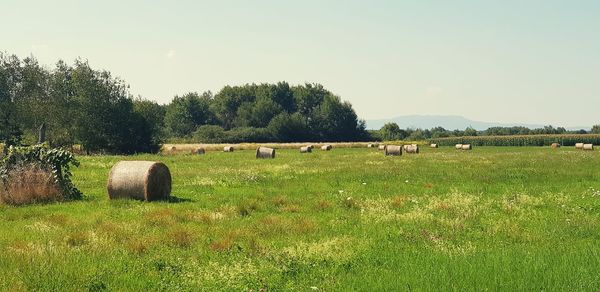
pixel 458 146
pixel 305 149
pixel 433 145
pixel 466 147
pixel 173 149
pixel 264 152
pixel 228 149
pixel 200 151
pixel 413 148
pixel 393 150
pixel 579 145
pixel 142 180
pixel 555 145
pixel 326 147
pixel 370 145
pixel 588 147
pixel 310 146
pixel 381 147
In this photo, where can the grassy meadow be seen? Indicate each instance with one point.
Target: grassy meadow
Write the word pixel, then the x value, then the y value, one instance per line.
pixel 495 218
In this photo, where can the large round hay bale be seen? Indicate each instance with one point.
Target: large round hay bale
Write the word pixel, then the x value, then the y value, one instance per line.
pixel 588 147
pixel 433 145
pixel 199 151
pixel 466 147
pixel 264 152
pixel 228 149
pixel 393 150
pixel 305 149
pixel 413 148
pixel 326 147
pixel 142 180
pixel 555 145
pixel 370 145
pixel 579 145
pixel 381 147
pixel 458 146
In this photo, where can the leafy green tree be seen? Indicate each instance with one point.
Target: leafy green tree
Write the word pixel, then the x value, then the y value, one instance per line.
pixel 185 113
pixel 209 134
pixel 391 131
pixel 289 128
pixel 469 131
pixel 595 129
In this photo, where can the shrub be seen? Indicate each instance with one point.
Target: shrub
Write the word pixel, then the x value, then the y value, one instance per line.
pixel 37 174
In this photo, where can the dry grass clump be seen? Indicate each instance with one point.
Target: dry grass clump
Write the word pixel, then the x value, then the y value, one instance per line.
pixel 29 184
pixel 181 238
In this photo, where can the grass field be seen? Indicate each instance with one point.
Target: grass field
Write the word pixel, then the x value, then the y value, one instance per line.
pixel 495 218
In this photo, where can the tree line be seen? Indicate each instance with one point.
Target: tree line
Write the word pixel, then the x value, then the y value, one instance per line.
pixel 80 105
pixel 392 131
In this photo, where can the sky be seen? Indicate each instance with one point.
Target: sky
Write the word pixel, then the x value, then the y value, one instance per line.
pixel 522 61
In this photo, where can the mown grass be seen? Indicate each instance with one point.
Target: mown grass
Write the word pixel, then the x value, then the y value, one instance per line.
pixel 348 219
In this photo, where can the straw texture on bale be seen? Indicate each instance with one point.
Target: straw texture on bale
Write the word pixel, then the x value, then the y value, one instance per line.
pixel 579 145
pixel 326 147
pixel 555 145
pixel 466 147
pixel 588 146
pixel 305 149
pixel 433 145
pixel 264 152
pixel 393 150
pixel 413 148
pixel 228 149
pixel 142 180
pixel 458 146
pixel 381 147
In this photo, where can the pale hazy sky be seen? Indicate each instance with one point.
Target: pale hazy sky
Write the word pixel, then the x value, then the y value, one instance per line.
pixel 505 61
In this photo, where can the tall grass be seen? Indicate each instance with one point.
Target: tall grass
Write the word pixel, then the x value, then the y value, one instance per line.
pixel 520 140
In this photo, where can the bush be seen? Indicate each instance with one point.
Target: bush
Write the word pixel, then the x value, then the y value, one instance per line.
pixel 520 140
pixel 37 174
pixel 209 134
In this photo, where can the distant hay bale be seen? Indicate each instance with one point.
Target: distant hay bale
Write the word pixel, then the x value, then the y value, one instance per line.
pixel 264 152
pixel 466 147
pixel 433 145
pixel 393 150
pixel 199 151
pixel 579 145
pixel 412 148
pixel 305 149
pixel 458 146
pixel 381 147
pixel 326 147
pixel 173 149
pixel 228 149
pixel 555 145
pixel 588 147
pixel 142 180
pixel 370 145
pixel 311 146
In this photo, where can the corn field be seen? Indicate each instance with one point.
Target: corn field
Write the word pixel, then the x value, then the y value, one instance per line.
pixel 520 140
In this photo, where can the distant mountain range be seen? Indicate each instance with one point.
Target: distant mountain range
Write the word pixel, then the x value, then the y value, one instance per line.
pixel 449 122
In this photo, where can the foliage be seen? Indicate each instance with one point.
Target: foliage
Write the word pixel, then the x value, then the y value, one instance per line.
pixel 391 131
pixel 57 161
pixel 595 129
pixel 520 140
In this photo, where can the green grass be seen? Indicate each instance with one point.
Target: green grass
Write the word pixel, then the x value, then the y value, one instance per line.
pixel 350 219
